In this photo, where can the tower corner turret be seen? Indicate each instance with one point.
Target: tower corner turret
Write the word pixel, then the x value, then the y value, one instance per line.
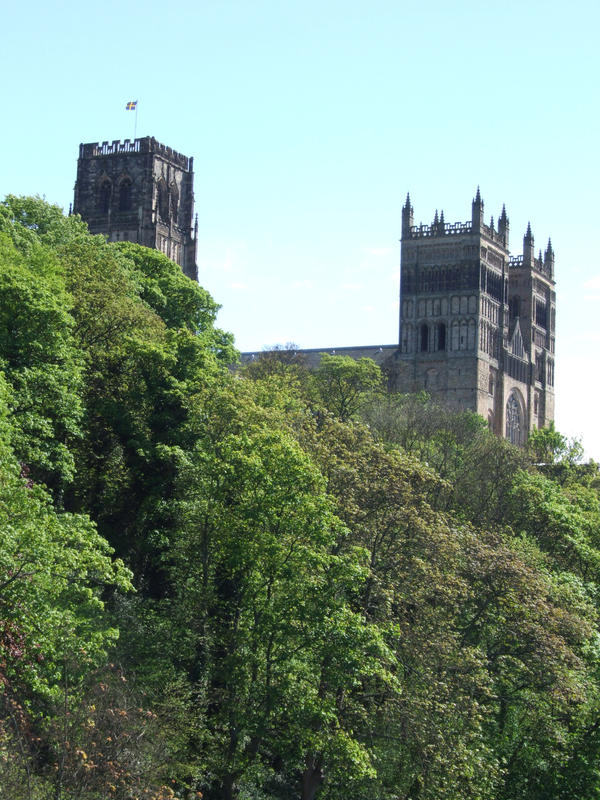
pixel 477 212
pixel 407 217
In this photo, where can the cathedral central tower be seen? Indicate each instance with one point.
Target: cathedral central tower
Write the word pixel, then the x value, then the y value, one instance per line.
pixel 139 191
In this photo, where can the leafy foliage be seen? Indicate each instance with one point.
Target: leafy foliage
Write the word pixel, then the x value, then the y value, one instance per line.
pixel 40 361
pixel 343 383
pixel 339 591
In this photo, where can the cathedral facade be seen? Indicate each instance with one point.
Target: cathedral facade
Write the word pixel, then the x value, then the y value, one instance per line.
pixel 139 191
pixel 477 325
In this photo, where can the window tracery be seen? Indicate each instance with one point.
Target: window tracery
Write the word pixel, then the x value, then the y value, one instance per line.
pixel 514 420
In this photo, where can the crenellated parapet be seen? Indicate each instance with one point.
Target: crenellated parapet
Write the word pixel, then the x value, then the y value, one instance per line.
pixel 139 190
pixel 437 229
pixel 146 144
pixel 440 229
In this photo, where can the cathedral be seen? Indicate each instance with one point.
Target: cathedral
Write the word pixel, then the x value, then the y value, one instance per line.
pixel 477 325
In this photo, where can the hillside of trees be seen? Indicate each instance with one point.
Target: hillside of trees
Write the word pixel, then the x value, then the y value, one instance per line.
pixel 269 583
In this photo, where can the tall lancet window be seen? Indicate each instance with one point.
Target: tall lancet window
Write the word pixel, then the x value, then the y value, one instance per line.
pixel 104 196
pixel 125 195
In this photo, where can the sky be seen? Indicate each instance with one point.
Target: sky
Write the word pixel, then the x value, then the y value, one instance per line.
pixel 309 122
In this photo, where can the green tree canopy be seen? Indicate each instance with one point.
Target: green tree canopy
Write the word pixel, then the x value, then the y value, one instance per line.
pixel 343 383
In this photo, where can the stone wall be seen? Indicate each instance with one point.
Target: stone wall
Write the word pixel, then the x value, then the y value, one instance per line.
pixel 139 191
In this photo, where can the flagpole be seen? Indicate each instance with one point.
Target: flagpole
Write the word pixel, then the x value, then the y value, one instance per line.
pixel 132 106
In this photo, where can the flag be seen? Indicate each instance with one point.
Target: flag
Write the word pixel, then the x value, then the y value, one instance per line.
pixel 131 105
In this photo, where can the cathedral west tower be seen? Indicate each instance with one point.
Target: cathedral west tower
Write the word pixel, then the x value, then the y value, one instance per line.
pixel 477 326
pixel 139 191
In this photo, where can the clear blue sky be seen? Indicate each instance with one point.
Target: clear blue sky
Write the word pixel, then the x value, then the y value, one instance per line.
pixel 309 122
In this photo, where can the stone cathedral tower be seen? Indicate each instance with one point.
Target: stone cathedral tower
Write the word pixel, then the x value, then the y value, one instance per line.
pixel 139 191
pixel 477 326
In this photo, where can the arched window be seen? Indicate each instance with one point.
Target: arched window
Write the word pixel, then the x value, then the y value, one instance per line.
pixel 424 338
pixel 440 336
pixel 464 327
pixel 550 372
pixel 455 327
pixel 104 195
pixel 163 201
pixel 541 314
pixel 514 420
pixel 125 195
pixel 471 335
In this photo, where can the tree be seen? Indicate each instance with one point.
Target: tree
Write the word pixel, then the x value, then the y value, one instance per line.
pixel 344 383
pixel 31 221
pixel 41 362
pixel 477 466
pixel 548 446
pixel 54 569
pixel 180 302
pixel 139 370
pixel 262 604
pixel 472 618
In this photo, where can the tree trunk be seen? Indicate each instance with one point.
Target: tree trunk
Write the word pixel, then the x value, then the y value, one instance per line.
pixel 312 777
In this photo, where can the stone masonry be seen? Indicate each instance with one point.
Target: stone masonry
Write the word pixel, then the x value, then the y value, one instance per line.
pixel 477 326
pixel 139 191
